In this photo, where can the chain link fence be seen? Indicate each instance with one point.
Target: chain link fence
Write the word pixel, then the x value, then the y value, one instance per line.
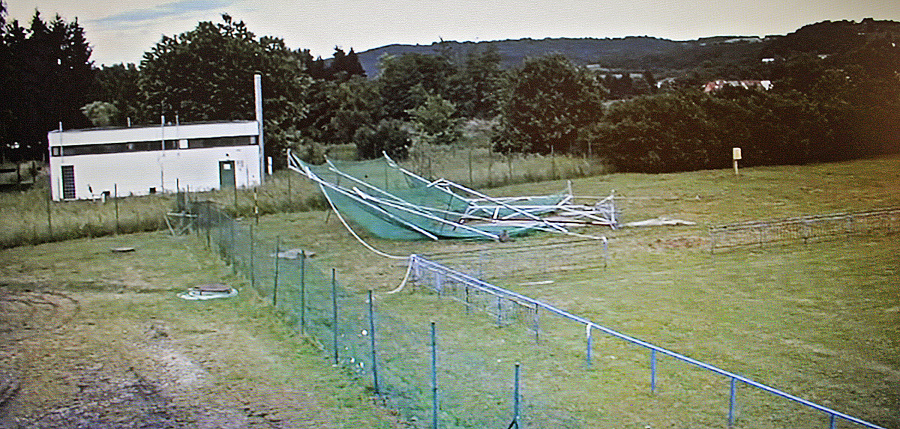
pixel 805 228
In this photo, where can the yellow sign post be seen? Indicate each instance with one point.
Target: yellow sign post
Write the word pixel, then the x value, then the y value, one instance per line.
pixel 735 155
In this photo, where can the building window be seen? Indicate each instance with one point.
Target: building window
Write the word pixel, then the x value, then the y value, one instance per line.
pixel 146 146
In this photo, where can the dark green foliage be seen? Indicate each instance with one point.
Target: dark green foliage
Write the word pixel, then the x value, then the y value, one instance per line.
pixel 45 71
pixel 689 130
pixel 405 81
pixel 207 74
pixel 545 104
pixel 389 136
pixel 475 87
pixel 341 67
pixel 118 84
pixel 435 121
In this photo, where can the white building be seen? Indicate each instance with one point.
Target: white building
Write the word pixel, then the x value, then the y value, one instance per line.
pixel 145 160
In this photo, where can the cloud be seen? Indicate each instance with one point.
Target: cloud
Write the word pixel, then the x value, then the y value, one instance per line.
pixel 138 17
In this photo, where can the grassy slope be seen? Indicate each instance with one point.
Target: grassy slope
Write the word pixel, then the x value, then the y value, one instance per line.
pixel 819 320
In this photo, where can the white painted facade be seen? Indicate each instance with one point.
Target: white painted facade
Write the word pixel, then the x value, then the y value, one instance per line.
pixel 85 164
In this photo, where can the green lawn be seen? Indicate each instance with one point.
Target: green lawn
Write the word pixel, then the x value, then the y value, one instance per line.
pixel 820 320
pixel 817 320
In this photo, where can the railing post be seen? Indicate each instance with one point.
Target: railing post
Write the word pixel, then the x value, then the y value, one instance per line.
pixel 731 403
pixel 334 312
pixel 652 370
pixel 302 291
pixel 372 342
pixel 537 326
pixel 434 387
pixel 589 345
pixel 499 312
pixel 831 421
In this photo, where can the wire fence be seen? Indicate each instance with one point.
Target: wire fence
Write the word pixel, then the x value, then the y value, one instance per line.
pixel 466 376
pixel 405 365
pixel 508 307
pixel 805 228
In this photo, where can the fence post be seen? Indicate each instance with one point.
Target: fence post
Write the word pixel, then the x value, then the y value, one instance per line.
pixel 589 344
pixel 49 216
pixel 334 312
pixel 275 284
pixel 116 204
pixel 467 300
pixel 605 252
pixel 372 341
pixel 499 312
pixel 537 326
pixel 434 387
pixel 731 403
pixel 208 221
pixel 231 253
pixel 831 421
pixel 515 421
pixel 252 270
pixel 302 291
pixel 652 370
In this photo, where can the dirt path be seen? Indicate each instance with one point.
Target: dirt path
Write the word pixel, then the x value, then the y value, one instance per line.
pixel 127 353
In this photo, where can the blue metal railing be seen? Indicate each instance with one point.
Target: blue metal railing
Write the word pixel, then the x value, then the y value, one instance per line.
pixel 418 263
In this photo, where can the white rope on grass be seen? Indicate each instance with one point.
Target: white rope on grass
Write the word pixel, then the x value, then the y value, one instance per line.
pixel 405 277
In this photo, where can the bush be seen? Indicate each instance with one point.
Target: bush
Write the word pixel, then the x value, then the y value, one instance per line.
pixel 390 136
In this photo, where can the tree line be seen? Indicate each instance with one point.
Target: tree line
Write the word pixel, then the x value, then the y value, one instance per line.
pixel 821 107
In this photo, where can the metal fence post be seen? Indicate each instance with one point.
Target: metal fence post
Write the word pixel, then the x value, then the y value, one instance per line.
pixel 515 421
pixel 252 270
pixel 831 421
pixel 372 341
pixel 731 403
pixel 499 312
pixel 275 284
pixel 537 325
pixel 434 387
pixel 652 370
pixel 302 291
pixel 589 345
pixel 334 312
pixel 231 253
pixel 116 204
pixel 468 309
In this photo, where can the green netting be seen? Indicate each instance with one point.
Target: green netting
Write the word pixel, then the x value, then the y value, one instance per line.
pixel 394 204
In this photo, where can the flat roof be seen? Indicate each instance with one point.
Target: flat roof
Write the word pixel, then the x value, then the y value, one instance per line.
pixel 150 133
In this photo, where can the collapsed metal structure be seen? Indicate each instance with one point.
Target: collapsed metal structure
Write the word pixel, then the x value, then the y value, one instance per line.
pixel 392 202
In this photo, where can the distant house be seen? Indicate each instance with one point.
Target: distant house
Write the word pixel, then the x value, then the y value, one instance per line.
pixel 717 85
pixel 87 164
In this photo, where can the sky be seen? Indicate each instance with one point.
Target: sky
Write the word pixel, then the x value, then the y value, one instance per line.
pixel 121 31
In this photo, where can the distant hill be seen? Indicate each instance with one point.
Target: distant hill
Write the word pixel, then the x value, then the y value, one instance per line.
pixel 637 53
pixel 661 56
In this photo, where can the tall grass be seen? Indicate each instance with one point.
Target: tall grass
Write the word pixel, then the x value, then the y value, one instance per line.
pixel 28 217
pixel 480 167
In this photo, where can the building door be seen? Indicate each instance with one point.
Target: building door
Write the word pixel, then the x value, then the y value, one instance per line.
pixel 68 182
pixel 226 174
